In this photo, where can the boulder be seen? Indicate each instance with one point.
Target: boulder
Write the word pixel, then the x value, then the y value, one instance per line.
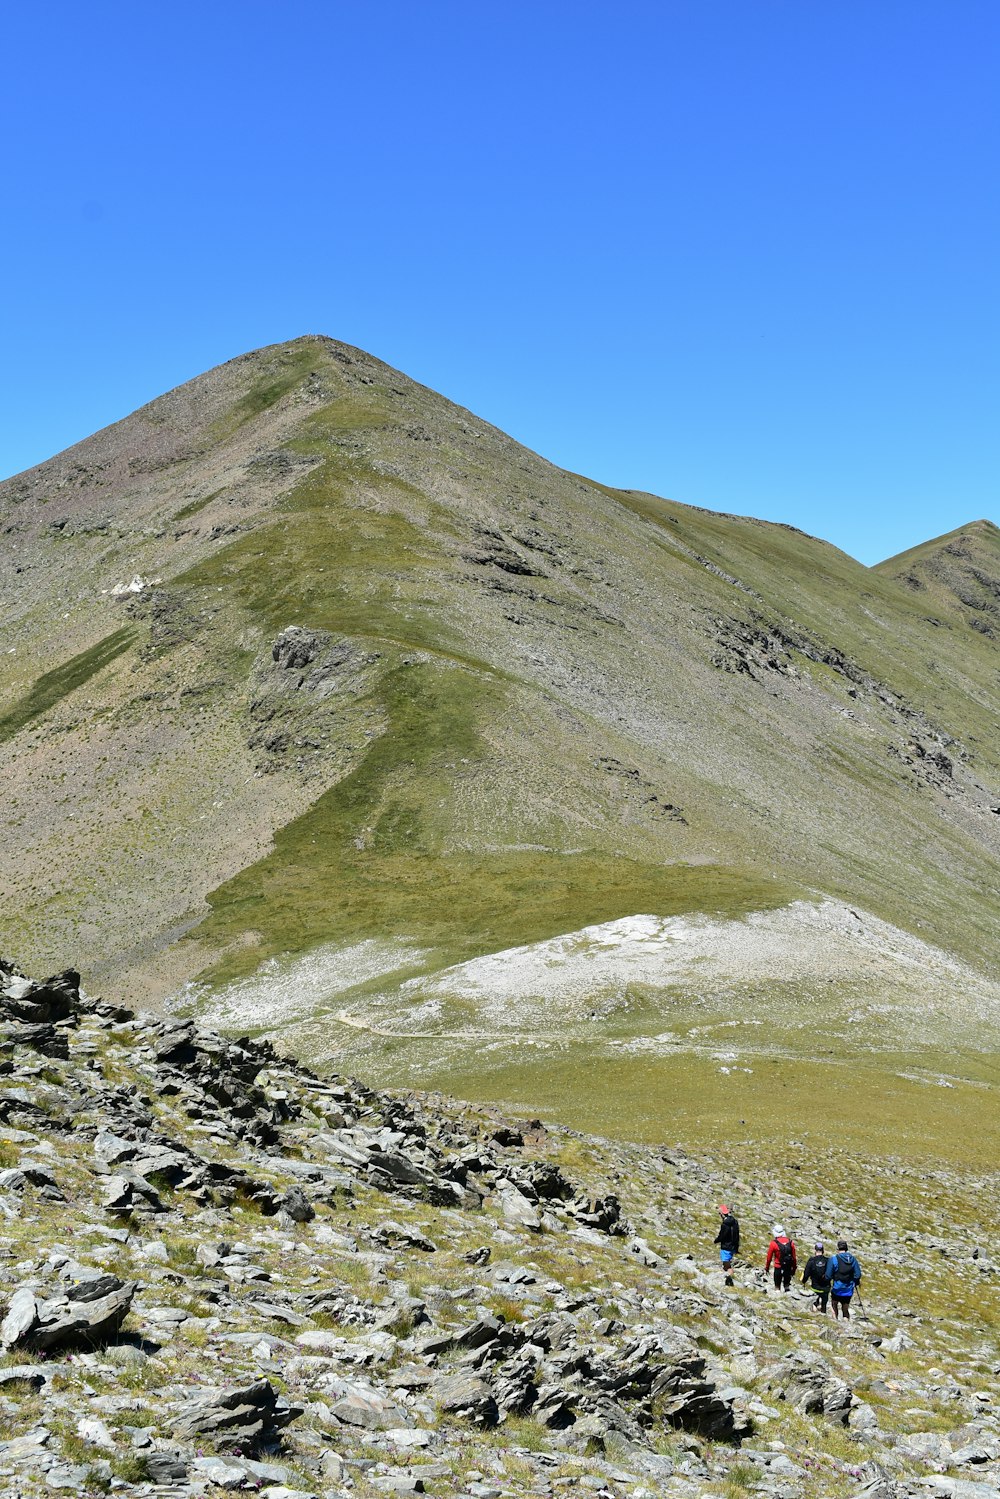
pixel 243 1417
pixel 401 1236
pixel 130 1193
pixel 359 1404
pixel 45 1039
pixel 57 998
pixel 220 1473
pixel 468 1396
pixel 166 1467
pixel 486 1329
pixel 397 1169
pixel 89 1313
pixel 642 1252
pixel 546 1181
pixel 91 1430
pixel 22 1314
pixel 22 1377
pixel 514 1387
pixel 555 1407
pixel 808 1384
pixel 899 1341
pixel 601 1213
pixel 297 1205
pixel 517 1209
pixel 701 1408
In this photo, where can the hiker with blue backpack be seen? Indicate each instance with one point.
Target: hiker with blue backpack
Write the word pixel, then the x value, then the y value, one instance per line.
pixel 845 1277
pixel 781 1253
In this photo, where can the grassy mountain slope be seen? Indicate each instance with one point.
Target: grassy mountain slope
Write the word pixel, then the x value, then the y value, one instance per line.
pixel 394 678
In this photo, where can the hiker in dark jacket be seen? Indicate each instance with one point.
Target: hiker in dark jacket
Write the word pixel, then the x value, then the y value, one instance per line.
pixel 728 1240
pixel 845 1273
pixel 815 1275
pixel 781 1253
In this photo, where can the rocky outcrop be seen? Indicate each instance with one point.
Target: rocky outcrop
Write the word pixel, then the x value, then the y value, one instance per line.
pixel 89 1313
pixel 244 1418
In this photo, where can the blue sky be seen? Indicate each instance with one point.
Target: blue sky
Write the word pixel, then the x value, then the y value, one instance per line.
pixel 744 255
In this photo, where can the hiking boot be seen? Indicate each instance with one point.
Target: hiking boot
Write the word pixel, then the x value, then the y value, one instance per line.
pixel 729 1280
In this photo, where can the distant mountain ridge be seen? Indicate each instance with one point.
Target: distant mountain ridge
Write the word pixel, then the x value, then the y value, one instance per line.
pixel 385 674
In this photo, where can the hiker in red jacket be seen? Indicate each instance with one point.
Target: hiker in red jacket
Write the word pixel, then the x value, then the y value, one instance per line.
pixel 781 1254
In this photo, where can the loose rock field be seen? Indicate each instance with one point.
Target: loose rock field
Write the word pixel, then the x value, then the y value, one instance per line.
pixel 223 1272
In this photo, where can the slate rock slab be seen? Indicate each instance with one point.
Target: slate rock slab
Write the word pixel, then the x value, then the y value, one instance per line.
pixel 468 1396
pixel 87 1314
pixel 243 1417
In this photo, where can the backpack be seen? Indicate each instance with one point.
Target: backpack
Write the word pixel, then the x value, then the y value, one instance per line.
pixel 843 1268
pixel 821 1268
pixel 785 1255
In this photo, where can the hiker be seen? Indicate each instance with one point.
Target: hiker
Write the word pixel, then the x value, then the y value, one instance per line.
pixel 845 1273
pixel 728 1240
pixel 781 1253
pixel 815 1275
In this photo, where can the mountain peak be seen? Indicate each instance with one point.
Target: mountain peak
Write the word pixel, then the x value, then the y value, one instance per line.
pixel 973 528
pixel 323 695
pixel 959 573
pixel 303 653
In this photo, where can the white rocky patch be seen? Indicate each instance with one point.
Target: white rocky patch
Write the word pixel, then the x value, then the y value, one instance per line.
pixel 288 989
pixel 137 584
pixel 599 967
pixel 641 968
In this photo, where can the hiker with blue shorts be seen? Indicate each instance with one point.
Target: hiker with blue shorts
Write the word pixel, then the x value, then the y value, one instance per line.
pixel 845 1275
pixel 728 1240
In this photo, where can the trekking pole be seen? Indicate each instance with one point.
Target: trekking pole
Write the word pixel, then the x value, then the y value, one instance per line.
pixel 862 1306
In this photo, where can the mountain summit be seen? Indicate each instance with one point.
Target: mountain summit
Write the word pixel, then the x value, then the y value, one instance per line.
pixel 303 658
pixel 959 573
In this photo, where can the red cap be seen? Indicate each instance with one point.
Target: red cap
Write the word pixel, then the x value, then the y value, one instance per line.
pixel 723 1208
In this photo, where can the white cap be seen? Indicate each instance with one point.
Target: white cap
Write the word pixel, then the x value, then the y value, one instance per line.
pixel 778 1231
